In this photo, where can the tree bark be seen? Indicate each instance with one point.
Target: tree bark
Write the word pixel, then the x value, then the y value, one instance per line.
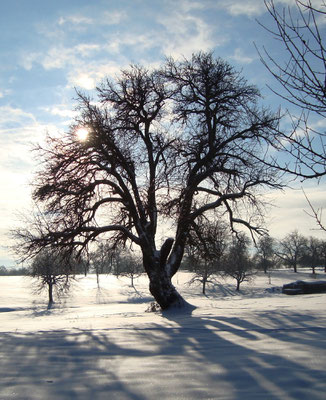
pixel 50 285
pixel 204 286
pixel 160 282
pixel 164 292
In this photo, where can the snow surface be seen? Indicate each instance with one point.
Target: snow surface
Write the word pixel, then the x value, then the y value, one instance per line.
pixel 99 343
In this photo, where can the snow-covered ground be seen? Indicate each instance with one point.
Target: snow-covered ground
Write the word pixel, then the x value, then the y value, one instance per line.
pixel 99 343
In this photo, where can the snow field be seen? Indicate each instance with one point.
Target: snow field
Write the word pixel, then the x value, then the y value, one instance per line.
pixel 99 343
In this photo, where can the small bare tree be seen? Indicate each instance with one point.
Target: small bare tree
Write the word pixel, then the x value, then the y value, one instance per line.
pixel 311 255
pixel 129 265
pixel 265 253
pixel 207 243
pixel 102 259
pixel 291 249
pixel 237 263
pixel 54 272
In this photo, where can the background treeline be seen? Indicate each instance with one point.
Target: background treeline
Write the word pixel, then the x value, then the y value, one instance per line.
pixel 212 246
pixel 212 252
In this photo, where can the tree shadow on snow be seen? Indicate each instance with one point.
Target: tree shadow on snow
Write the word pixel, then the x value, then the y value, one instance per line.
pixel 282 357
pixel 175 355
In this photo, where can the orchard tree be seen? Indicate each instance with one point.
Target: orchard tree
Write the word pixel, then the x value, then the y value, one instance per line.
pixel 175 142
pixel 53 271
pixel 265 253
pixel 322 252
pixel 237 263
pixel 312 255
pixel 206 246
pixel 129 265
pixel 291 249
pixel 102 259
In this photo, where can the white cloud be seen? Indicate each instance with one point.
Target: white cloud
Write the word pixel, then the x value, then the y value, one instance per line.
pixel 240 57
pixel 290 211
pixel 88 76
pixel 189 33
pixel 59 56
pixel 112 17
pixel 61 110
pixel 18 131
pixel 78 21
pixel 254 8
pixel 250 8
pixel 75 20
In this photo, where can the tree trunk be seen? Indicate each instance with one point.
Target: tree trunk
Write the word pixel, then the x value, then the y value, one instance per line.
pixel 204 286
pixel 160 275
pixel 238 285
pixel 50 285
pixel 164 292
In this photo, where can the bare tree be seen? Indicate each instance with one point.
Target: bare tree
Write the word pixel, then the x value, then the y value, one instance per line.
pixel 129 265
pixel 311 256
pixel 322 250
pixel 237 263
pixel 102 259
pixel 291 249
pixel 206 246
pixel 174 142
pixel 265 253
pixel 54 272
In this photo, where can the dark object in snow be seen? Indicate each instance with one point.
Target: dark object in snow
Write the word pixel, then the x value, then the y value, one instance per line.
pixel 301 287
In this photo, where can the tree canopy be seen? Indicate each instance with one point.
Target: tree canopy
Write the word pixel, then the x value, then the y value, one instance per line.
pixel 175 142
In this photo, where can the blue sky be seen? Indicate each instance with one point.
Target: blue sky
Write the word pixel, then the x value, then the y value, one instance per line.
pixel 47 48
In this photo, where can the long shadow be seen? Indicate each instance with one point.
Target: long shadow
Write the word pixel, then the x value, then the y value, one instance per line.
pixel 62 365
pixel 192 356
pixel 270 360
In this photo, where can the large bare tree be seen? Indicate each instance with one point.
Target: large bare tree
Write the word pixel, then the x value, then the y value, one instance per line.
pixel 169 143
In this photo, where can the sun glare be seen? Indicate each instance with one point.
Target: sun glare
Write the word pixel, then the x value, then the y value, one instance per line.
pixel 82 134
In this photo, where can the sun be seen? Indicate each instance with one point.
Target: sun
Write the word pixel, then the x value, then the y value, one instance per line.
pixel 82 134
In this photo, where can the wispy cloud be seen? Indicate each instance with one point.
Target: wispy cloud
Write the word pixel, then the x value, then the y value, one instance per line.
pixel 254 8
pixel 80 21
pixel 75 20
pixel 290 211
pixel 241 58
pixel 189 33
pixel 250 8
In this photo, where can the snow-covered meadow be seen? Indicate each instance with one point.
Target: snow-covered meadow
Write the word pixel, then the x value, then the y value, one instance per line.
pixel 99 343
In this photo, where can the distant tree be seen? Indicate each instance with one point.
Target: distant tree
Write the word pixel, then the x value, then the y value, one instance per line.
pixel 129 265
pixel 322 251
pixel 311 256
pixel 291 249
pixel 3 270
pixel 265 253
pixel 53 271
pixel 175 142
pixel 237 263
pixel 102 259
pixel 206 246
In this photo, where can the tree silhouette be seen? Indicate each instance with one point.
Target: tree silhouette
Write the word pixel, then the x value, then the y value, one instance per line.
pixel 172 143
